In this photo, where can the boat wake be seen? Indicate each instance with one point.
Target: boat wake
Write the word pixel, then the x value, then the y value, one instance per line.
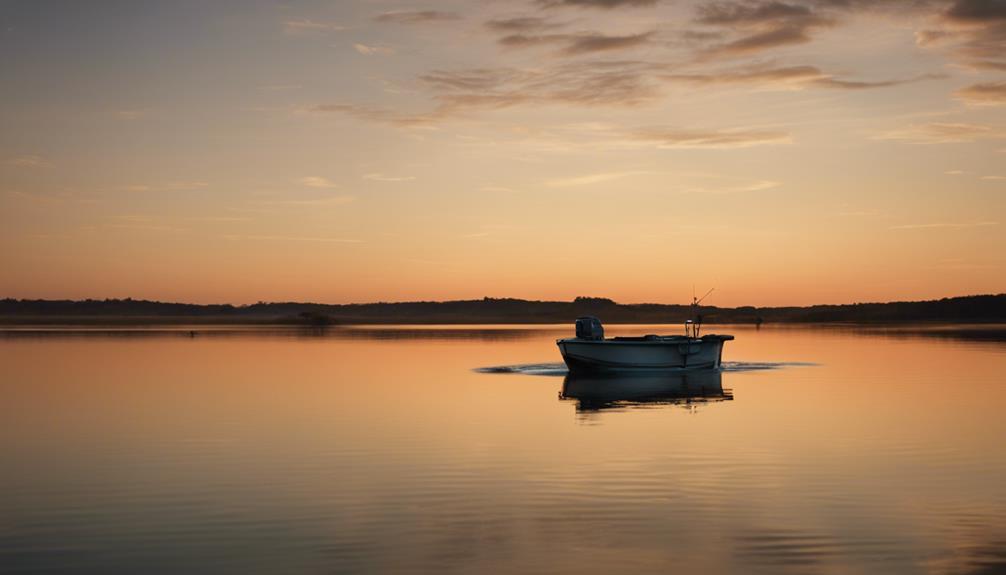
pixel 553 369
pixel 559 369
pixel 762 365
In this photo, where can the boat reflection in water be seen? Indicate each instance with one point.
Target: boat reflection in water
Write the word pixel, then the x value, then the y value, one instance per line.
pixel 598 391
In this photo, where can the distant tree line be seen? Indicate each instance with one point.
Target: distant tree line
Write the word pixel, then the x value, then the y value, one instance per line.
pixel 978 308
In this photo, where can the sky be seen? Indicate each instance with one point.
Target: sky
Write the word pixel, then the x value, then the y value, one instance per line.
pixel 784 152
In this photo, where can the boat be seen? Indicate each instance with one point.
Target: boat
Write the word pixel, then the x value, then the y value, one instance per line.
pixel 591 352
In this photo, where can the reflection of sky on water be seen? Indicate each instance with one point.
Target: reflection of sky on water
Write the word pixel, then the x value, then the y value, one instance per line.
pixel 242 452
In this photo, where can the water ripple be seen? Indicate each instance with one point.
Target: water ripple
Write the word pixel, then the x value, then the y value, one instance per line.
pixel 559 369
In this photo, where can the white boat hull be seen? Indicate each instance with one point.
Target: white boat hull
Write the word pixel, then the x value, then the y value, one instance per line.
pixel 642 354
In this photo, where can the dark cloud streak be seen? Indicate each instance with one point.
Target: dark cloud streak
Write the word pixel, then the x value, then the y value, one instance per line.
pixel 761 25
pixel 744 13
pixel 987 94
pixel 798 76
pixel 417 16
pixel 974 30
pixel 521 25
pixel 978 11
pixel 579 43
pixel 603 4
pixel 589 43
pixel 681 138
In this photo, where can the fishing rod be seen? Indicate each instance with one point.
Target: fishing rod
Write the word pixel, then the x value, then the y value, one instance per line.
pixel 696 321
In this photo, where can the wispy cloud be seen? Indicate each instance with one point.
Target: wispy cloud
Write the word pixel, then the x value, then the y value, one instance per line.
pixel 130 115
pixel 143 222
pixel 497 189
pixel 378 177
pixel 177 186
pixel 28 161
pixel 35 198
pixel 279 87
pixel 789 77
pixel 149 227
pixel 384 116
pixel 759 74
pixel 726 28
pixel 622 83
pixel 294 239
pixel 846 84
pixel 306 25
pixel 591 179
pixel 945 225
pixel 993 177
pixel 859 213
pixel 605 83
pixel 186 185
pixel 219 219
pixel 704 138
pixel 368 50
pixel 942 133
pixel 417 16
pixel 133 217
pixel 612 83
pixel 49 236
pixel 317 182
pixel 732 189
pixel 313 202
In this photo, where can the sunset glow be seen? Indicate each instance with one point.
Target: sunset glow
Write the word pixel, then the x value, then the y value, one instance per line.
pixel 787 153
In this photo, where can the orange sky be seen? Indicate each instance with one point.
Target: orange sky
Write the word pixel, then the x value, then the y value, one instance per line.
pixel 784 152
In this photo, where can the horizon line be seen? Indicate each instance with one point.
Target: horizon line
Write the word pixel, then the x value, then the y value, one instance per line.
pixel 487 298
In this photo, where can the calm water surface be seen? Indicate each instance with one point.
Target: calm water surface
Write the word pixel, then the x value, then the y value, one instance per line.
pixel 389 450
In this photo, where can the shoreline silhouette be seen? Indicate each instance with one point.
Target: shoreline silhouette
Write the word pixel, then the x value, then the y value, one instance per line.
pixel 971 309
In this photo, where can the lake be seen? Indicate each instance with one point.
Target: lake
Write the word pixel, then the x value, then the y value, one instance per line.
pixel 464 449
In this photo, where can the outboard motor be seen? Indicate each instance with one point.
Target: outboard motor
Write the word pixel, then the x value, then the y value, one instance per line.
pixel 589 327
